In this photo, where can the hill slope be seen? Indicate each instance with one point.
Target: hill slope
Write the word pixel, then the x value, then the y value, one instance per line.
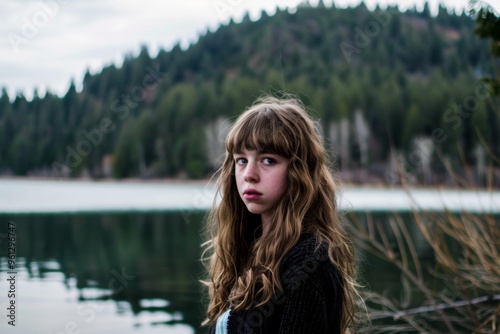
pixel 375 80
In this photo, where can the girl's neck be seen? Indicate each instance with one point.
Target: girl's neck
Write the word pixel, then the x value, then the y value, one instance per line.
pixel 266 224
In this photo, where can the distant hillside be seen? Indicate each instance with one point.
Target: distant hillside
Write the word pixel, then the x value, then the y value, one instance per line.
pixel 375 80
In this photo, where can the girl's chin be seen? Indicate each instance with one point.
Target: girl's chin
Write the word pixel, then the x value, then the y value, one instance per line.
pixel 254 208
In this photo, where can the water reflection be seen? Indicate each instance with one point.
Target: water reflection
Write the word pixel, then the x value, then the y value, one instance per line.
pixel 131 272
pixel 142 269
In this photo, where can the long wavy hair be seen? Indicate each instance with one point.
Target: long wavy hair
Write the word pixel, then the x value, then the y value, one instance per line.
pixel 243 264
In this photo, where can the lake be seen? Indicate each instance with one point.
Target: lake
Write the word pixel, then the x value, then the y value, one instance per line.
pixel 124 258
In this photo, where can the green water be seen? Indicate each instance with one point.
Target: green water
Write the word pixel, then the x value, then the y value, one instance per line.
pixel 120 273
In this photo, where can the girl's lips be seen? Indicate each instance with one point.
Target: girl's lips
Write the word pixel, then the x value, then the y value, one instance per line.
pixel 252 196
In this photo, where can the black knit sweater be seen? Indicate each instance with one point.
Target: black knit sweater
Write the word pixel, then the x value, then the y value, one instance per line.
pixel 311 301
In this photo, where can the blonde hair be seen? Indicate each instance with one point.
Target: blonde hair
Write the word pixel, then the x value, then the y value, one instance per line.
pixel 244 266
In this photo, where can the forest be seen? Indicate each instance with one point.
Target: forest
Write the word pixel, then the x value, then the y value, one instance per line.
pixel 389 89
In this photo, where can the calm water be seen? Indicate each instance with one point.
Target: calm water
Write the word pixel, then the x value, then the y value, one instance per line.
pixel 120 273
pixel 113 273
pixel 137 272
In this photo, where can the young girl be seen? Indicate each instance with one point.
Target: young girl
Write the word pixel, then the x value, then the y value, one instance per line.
pixel 281 261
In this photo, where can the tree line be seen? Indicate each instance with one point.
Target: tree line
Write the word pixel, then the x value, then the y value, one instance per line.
pixel 383 84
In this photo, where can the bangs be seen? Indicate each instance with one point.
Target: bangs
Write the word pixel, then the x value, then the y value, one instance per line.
pixel 261 130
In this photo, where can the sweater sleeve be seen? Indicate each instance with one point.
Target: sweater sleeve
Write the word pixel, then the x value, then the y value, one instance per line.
pixel 313 291
pixel 304 312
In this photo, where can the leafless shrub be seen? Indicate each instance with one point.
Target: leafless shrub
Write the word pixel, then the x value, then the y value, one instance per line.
pixel 461 293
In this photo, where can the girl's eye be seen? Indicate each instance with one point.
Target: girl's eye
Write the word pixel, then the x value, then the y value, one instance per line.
pixel 269 161
pixel 240 161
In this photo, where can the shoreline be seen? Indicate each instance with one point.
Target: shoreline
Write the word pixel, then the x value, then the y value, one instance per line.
pixel 109 180
pixel 29 195
pixel 212 182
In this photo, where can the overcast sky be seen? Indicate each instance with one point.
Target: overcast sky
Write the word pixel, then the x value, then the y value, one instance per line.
pixel 45 44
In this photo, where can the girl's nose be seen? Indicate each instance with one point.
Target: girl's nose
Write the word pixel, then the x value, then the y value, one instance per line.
pixel 251 174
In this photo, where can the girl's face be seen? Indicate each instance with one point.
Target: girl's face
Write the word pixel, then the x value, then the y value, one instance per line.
pixel 261 179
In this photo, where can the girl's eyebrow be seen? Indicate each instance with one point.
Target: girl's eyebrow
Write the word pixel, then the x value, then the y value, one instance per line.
pixel 258 153
pixel 268 153
pixel 243 151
